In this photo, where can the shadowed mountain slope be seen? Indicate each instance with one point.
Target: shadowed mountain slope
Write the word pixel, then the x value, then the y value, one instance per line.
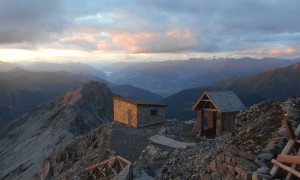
pixel 128 90
pixel 21 90
pixel 168 77
pixel 26 141
pixel 75 68
pixel 276 83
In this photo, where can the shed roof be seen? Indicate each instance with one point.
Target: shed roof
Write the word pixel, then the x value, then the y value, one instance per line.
pixel 225 101
pixel 139 101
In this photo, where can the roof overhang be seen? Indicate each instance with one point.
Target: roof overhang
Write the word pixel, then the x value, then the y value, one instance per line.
pixel 202 99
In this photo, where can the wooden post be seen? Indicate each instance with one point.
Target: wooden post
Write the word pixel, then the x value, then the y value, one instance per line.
pixel 286 168
pixel 288 149
pixel 288 159
pixel 289 129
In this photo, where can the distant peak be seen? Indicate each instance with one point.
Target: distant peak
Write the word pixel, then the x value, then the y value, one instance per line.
pixel 273 69
pixel 296 66
pixel 82 92
pixel 18 69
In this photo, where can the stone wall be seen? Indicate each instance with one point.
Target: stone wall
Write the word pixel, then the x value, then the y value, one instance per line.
pixel 125 113
pixel 145 118
pixel 228 120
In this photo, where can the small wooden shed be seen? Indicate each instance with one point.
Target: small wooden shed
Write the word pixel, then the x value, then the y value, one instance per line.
pixel 138 113
pixel 216 111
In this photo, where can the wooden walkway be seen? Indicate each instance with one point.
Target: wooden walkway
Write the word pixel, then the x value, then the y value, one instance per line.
pixel 109 168
pixel 289 159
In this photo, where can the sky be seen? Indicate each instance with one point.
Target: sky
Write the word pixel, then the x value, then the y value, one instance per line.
pixel 136 30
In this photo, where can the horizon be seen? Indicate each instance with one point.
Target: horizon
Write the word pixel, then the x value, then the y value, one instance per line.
pixel 75 31
pixel 101 65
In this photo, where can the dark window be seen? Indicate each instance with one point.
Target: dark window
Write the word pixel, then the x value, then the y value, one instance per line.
pixel 154 112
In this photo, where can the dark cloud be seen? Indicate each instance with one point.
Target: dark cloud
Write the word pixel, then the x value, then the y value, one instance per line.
pixel 30 20
pixel 145 26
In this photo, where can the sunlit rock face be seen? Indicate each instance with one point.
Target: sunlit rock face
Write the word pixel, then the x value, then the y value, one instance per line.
pixel 25 142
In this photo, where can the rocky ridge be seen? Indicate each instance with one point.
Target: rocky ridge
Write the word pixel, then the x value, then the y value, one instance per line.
pixel 33 137
pixel 70 161
pixel 245 154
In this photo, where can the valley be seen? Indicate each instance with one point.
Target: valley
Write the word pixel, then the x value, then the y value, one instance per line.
pixel 169 77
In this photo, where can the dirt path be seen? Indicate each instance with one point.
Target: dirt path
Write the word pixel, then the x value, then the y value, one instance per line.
pixel 129 142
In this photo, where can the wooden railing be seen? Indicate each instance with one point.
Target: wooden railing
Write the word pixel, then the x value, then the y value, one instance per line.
pixel 290 154
pixel 108 168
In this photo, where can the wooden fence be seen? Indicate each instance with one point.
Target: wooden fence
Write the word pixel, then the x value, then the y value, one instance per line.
pixel 289 159
pixel 109 168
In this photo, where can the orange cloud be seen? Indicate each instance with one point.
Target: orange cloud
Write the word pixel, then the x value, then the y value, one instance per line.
pixel 279 51
pixel 103 45
pixel 274 52
pixel 290 51
pixel 172 40
pixel 133 42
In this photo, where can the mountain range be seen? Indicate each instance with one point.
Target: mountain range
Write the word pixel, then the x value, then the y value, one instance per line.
pixel 75 68
pixel 69 132
pixel 168 77
pixel 5 66
pixel 28 140
pixel 275 83
pixel 21 90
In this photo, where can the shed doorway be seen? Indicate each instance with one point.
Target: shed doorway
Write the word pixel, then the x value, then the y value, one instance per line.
pixel 209 119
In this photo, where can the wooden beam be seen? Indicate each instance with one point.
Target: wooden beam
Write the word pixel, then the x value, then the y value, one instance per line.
pixel 209 109
pixel 288 159
pixel 100 170
pixel 293 166
pixel 290 130
pixel 297 132
pixel 98 164
pixel 286 168
pixel 104 168
pixel 287 149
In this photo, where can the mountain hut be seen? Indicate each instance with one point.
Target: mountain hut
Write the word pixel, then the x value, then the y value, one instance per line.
pixel 216 111
pixel 138 113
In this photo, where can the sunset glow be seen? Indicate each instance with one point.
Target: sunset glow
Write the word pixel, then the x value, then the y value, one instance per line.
pixel 116 30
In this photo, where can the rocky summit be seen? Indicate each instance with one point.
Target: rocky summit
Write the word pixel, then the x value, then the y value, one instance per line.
pixel 26 142
pixel 245 154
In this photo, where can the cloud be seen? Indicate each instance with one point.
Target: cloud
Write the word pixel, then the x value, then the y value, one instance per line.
pixel 173 40
pixel 29 21
pixel 169 26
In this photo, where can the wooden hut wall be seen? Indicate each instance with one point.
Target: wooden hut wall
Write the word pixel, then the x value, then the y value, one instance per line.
pixel 149 115
pixel 125 113
pixel 228 121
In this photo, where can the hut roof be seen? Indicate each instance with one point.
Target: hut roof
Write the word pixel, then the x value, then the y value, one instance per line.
pixel 139 101
pixel 225 101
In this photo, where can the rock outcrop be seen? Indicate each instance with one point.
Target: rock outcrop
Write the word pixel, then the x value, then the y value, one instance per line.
pixel 37 134
pixel 70 161
pixel 245 154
